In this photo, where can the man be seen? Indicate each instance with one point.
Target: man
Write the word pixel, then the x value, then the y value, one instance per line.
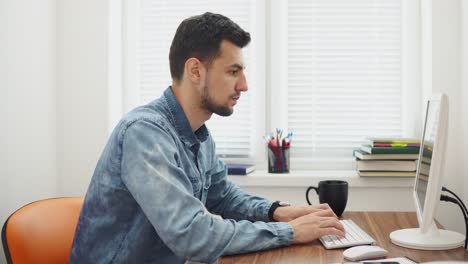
pixel 159 194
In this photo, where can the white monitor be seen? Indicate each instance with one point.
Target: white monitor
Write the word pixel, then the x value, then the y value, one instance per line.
pixel 428 184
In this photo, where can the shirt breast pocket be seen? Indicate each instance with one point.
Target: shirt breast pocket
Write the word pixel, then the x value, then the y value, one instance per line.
pixel 206 189
pixel 195 181
pixel 196 187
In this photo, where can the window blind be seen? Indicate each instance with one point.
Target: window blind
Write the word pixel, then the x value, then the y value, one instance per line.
pixel 344 75
pixel 158 23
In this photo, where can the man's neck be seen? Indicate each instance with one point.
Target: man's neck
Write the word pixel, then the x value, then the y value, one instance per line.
pixel 190 102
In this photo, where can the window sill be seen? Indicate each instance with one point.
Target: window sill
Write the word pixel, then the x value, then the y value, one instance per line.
pixel 261 178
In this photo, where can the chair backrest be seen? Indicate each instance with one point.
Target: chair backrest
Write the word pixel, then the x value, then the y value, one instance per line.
pixel 42 231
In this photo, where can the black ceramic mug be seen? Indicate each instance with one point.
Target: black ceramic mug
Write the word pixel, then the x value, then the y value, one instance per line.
pixel 334 193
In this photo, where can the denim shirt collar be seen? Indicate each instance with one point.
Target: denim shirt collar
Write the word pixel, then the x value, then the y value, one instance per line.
pixel 181 123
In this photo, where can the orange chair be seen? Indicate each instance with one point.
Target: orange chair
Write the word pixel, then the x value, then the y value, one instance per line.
pixel 42 231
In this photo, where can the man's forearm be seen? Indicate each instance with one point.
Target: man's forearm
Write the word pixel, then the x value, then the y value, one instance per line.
pixel 233 203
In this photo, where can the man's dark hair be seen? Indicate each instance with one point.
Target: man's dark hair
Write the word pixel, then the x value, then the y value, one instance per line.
pixel 200 37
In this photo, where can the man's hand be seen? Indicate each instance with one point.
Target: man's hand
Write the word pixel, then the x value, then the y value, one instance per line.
pixel 312 226
pixel 289 213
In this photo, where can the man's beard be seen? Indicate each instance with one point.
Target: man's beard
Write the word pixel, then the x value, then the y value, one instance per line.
pixel 208 104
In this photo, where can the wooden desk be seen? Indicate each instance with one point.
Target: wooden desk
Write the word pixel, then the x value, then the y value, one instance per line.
pixel 377 224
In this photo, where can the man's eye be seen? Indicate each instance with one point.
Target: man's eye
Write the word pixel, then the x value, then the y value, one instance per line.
pixel 234 72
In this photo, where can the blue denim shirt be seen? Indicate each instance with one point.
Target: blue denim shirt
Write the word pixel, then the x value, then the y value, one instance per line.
pixel 159 194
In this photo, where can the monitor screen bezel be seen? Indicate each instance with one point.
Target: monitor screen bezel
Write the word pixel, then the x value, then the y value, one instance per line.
pixel 437 168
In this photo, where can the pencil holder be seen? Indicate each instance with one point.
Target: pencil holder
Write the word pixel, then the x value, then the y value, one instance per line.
pixel 278 159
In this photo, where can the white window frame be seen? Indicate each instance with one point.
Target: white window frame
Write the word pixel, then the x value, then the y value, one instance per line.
pixel 131 33
pixel 115 63
pixel 411 69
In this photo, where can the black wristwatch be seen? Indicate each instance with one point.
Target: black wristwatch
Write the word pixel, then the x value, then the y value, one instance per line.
pixel 273 208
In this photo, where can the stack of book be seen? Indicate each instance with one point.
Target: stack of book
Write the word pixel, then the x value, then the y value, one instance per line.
pixel 388 157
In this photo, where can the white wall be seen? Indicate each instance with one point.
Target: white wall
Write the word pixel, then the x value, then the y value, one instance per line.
pixel 28 163
pixel 446 77
pixel 53 81
pixel 82 118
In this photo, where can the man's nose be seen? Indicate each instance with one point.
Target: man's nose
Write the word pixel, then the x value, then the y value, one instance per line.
pixel 242 84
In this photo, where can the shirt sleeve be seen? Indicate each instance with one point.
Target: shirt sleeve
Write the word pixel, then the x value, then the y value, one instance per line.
pixel 226 199
pixel 164 192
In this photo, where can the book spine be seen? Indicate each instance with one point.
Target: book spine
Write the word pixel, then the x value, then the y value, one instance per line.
pixel 394 141
pixel 386 174
pixel 401 145
pixel 237 171
pixel 393 150
pixel 386 165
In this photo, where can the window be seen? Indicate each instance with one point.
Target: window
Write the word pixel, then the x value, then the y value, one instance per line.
pixel 331 71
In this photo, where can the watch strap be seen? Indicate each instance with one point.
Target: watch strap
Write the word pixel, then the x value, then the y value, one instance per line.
pixel 273 207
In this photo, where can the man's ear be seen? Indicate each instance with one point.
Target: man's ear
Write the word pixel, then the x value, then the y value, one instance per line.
pixel 194 70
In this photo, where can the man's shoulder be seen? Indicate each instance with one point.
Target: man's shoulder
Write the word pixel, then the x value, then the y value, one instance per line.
pixel 153 113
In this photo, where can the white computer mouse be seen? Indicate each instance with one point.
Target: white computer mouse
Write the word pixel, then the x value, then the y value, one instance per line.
pixel 364 252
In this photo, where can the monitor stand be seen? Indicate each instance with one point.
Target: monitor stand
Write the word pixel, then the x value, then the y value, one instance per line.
pixel 433 239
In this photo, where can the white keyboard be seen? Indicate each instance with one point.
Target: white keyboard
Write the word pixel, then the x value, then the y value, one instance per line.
pixel 354 236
